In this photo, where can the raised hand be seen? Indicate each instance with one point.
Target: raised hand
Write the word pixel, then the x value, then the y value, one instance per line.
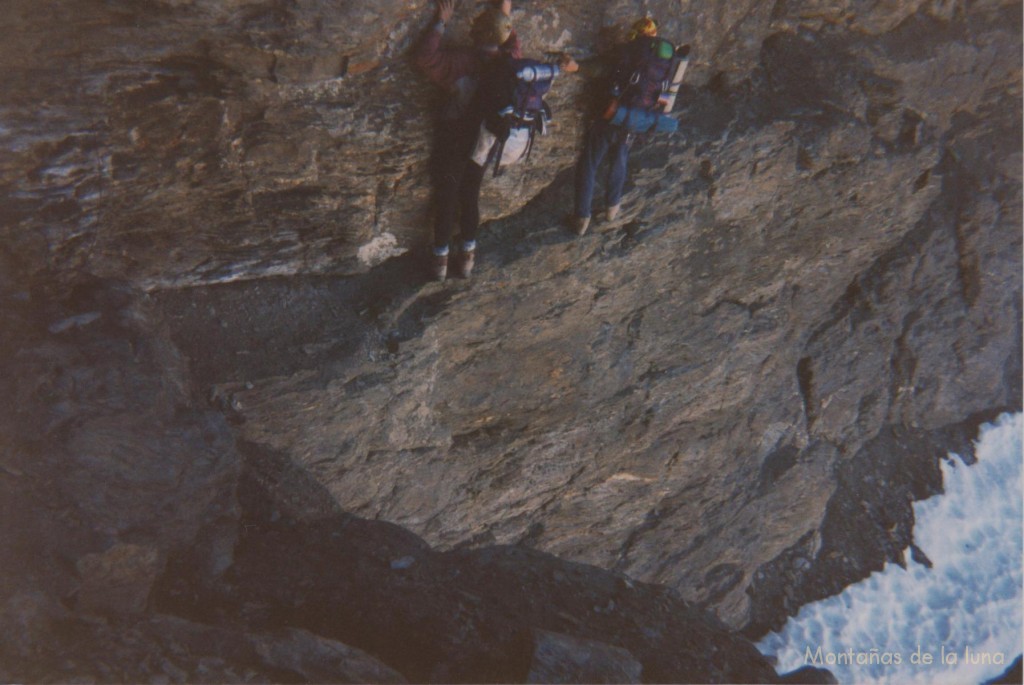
pixel 446 10
pixel 506 7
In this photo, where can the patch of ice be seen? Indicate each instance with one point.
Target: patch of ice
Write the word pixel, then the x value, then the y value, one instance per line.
pixel 957 622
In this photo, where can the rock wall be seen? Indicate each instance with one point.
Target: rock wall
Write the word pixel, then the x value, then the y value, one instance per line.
pixel 102 441
pixel 182 142
pixel 830 249
pixel 821 269
pixel 109 469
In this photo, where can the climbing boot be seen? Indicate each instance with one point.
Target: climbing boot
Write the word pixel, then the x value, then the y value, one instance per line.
pixel 439 266
pixel 613 211
pixel 466 260
pixel 580 224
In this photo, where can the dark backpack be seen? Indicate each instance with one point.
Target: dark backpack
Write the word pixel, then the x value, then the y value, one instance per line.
pixel 512 97
pixel 643 72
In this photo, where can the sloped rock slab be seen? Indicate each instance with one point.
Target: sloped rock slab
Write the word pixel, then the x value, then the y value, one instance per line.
pixel 561 658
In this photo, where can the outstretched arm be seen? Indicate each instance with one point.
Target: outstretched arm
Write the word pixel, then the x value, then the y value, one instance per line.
pixel 513 46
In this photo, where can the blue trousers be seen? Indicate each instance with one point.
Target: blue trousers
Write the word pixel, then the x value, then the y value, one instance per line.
pixel 602 139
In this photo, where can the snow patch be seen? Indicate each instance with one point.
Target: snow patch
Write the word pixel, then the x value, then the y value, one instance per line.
pixel 957 622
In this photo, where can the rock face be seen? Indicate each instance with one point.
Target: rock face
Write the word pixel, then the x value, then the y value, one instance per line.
pixel 160 648
pixel 565 659
pixel 109 466
pixel 828 253
pixel 190 141
pixel 490 614
pixel 119 580
pixel 734 390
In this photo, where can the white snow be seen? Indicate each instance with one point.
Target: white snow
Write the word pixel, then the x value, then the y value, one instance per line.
pixel 958 622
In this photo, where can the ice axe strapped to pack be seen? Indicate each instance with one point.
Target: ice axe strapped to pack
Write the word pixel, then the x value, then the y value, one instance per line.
pixel 669 93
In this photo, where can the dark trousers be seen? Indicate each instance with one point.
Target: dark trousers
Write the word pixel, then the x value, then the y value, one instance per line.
pixel 602 139
pixel 457 181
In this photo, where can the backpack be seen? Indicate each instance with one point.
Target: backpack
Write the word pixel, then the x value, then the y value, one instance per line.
pixel 644 72
pixel 644 86
pixel 512 100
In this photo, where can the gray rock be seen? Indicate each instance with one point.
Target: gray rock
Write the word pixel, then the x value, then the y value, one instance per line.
pixel 825 259
pixel 319 660
pixel 812 263
pixel 160 648
pixel 561 658
pixel 118 580
pixel 28 619
pixel 809 675
pixel 122 469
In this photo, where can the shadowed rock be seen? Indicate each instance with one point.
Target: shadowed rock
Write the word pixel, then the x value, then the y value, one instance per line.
pixel 732 392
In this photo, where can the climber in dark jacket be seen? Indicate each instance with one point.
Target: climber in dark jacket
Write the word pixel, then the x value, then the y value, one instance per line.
pixel 456 179
pixel 605 139
pixel 461 146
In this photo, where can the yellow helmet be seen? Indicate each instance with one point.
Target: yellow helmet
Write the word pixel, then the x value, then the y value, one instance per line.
pixel 491 27
pixel 643 27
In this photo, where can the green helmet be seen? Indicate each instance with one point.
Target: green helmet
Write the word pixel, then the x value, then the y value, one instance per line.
pixel 491 27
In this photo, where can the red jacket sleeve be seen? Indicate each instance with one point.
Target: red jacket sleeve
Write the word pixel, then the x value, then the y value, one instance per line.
pixel 443 65
pixel 513 46
pixel 446 65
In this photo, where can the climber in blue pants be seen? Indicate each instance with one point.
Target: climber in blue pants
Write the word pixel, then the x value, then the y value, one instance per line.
pixel 603 139
pixel 646 77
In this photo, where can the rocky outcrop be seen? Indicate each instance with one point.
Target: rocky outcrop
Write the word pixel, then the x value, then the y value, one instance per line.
pixel 488 614
pixel 559 658
pixel 185 142
pixel 827 256
pixel 868 522
pixel 109 466
pixel 733 391
pixel 108 469
pixel 156 648
pixel 132 561
pixel 122 526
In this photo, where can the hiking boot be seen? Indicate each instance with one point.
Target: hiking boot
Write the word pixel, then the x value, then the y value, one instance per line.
pixel 613 211
pixel 580 224
pixel 439 266
pixel 466 260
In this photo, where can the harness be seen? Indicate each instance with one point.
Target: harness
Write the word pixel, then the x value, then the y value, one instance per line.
pixel 511 120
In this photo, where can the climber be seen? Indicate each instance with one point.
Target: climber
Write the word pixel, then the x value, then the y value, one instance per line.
pixel 459 70
pixel 456 69
pixel 646 77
